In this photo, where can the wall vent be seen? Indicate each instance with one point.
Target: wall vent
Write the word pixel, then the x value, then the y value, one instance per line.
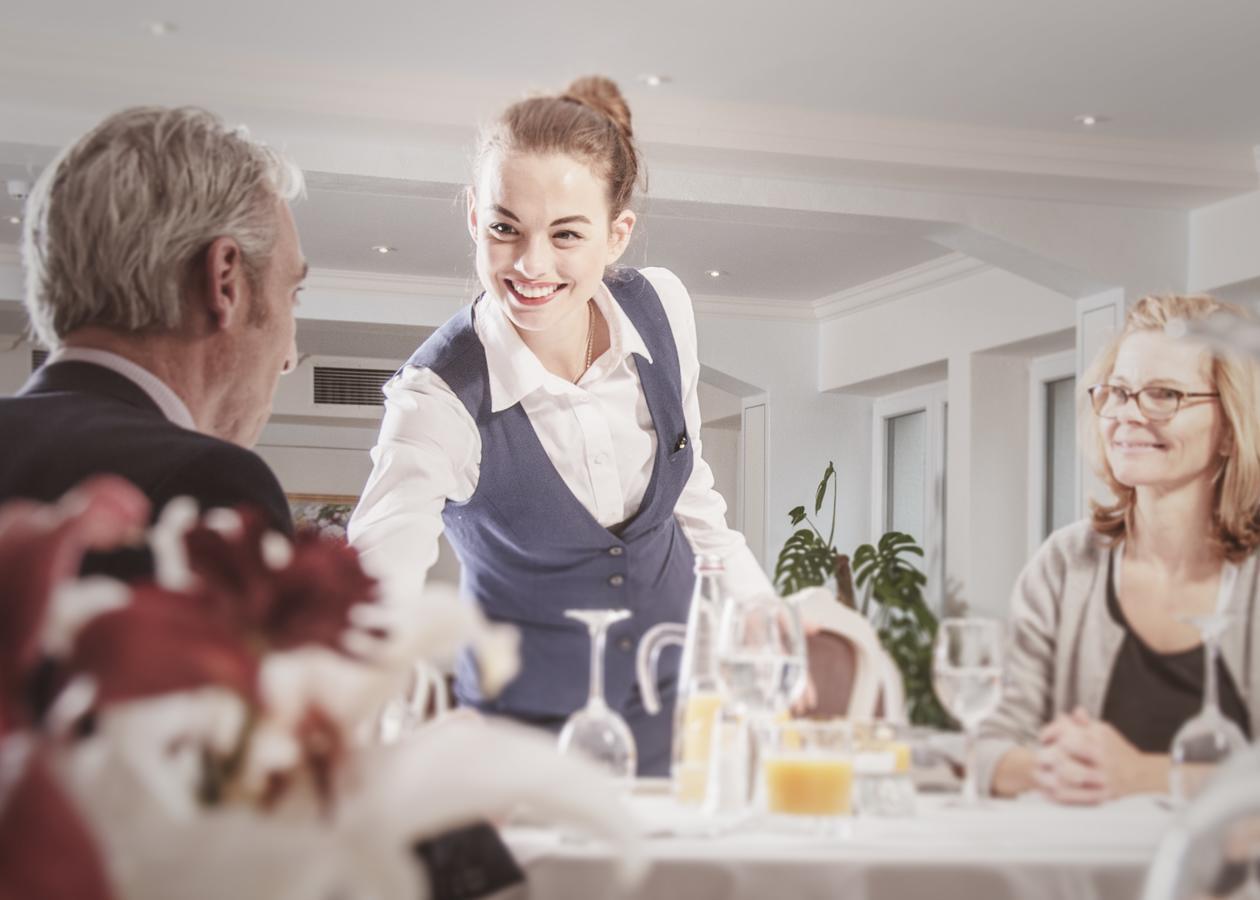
pixel 340 386
pixel 38 358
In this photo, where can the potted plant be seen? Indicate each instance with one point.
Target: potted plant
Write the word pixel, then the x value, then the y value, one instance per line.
pixel 892 595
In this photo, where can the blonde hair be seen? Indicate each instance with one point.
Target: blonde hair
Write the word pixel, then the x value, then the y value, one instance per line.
pixel 117 224
pixel 1236 378
pixel 589 121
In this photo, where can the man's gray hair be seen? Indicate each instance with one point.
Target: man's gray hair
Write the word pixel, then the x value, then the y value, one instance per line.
pixel 118 225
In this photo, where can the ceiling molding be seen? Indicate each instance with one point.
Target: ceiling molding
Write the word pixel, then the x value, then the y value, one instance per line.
pixel 926 276
pixel 752 308
pixel 427 286
pixel 915 143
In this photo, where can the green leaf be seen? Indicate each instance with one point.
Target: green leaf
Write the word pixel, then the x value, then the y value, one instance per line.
pixel 821 493
pixel 797 515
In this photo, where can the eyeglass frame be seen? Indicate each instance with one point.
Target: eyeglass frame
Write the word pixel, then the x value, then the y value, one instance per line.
pixel 1137 396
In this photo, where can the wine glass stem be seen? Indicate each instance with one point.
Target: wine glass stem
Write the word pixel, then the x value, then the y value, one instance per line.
pixel 970 791
pixel 1210 701
pixel 598 633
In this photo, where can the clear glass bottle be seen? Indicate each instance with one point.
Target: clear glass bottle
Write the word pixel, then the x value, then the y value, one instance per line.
pixel 699 697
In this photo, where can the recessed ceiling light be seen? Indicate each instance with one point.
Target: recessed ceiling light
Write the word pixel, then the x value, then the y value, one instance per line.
pixel 160 29
pixel 714 273
pixel 15 220
pixel 1089 120
pixel 652 79
pixel 385 248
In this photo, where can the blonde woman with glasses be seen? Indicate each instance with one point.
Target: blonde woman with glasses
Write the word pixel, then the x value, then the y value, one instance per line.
pixel 1104 664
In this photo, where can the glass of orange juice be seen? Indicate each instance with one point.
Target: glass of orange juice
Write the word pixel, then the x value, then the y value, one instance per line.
pixel 807 775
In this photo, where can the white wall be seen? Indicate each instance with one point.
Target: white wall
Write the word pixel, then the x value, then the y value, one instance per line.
pixel 806 428
pixel 978 332
pixel 15 363
pixel 1225 243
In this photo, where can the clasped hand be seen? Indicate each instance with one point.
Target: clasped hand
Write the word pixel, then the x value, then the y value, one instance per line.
pixel 1084 760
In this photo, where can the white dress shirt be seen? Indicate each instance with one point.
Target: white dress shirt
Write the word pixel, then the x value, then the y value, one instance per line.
pixel 598 433
pixel 157 390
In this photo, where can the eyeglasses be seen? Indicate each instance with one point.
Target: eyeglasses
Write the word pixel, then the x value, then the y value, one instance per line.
pixel 1156 403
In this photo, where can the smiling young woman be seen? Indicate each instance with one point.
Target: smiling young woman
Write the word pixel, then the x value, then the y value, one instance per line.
pixel 1105 666
pixel 551 427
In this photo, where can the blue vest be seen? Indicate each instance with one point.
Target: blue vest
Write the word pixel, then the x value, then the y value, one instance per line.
pixel 530 550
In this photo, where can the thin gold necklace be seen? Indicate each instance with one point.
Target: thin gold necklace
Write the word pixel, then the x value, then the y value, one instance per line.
pixel 590 340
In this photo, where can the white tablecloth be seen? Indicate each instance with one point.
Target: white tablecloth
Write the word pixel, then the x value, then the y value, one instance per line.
pixel 1026 849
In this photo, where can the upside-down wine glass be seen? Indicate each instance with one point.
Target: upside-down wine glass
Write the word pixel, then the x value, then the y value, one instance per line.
pixel 967 675
pixel 1208 738
pixel 596 731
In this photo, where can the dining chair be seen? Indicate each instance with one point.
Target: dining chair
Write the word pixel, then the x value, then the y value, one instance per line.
pixel 852 673
pixel 1213 846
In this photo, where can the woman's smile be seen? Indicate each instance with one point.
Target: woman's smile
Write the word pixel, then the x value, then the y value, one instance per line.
pixel 533 293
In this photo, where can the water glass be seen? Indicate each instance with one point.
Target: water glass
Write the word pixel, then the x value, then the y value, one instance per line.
pixel 883 783
pixel 967 677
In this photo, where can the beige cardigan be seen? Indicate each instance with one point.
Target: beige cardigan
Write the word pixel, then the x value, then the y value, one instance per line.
pixel 1063 642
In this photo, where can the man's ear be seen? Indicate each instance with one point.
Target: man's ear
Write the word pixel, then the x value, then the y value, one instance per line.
pixel 225 281
pixel 619 235
pixel 471 200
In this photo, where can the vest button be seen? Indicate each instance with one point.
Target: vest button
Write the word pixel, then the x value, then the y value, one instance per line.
pixel 617 580
pixel 616 551
pixel 625 644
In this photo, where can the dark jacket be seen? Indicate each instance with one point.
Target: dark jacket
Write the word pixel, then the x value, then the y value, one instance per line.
pixel 72 420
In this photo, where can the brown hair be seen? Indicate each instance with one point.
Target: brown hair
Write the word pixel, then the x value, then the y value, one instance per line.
pixel 589 121
pixel 1237 379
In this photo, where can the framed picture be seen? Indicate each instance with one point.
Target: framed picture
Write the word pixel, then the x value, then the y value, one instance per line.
pixel 327 513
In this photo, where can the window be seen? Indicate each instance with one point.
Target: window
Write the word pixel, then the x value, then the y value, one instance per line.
pixel 909 474
pixel 1052 467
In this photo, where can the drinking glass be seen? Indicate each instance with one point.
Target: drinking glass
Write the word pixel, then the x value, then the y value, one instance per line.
pixel 883 785
pixel 762 670
pixel 596 731
pixel 1208 738
pixel 762 665
pixel 967 675
pixel 807 775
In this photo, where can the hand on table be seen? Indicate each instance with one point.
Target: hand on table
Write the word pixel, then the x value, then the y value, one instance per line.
pixel 1082 760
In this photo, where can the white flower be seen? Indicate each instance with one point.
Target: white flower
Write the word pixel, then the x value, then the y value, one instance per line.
pixel 166 538
pixel 73 604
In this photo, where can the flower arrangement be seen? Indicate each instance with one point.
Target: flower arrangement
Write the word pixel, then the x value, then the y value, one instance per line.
pixel 211 727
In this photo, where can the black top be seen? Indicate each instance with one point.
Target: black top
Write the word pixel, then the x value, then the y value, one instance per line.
pixel 1150 695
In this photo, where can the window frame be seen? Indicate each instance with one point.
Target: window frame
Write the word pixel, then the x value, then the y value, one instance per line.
pixel 932 399
pixel 1043 371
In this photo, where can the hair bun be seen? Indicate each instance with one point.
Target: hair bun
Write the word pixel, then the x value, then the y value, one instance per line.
pixel 602 95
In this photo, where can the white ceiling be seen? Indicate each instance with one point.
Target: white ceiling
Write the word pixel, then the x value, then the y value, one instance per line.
pixel 788 261
pixel 973 96
pixel 1166 69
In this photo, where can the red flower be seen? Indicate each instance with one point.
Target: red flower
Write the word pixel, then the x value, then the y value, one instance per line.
pixel 161 642
pixel 305 601
pixel 41 546
pixel 46 853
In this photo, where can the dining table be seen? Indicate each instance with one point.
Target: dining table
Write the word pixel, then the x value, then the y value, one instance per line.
pixel 1026 848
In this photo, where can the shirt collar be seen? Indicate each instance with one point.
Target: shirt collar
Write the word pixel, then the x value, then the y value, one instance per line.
pixel 514 371
pixel 157 390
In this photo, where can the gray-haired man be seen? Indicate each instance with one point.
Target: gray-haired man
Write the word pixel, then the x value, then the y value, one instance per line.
pixel 162 269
